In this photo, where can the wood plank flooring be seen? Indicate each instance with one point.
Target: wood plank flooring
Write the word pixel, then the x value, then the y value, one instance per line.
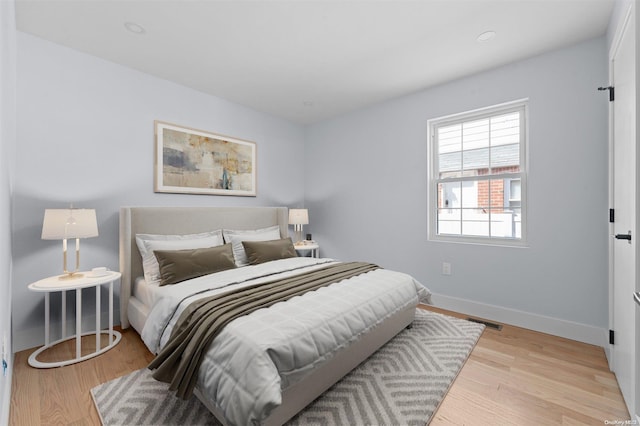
pixel 521 377
pixel 513 377
pixel 60 396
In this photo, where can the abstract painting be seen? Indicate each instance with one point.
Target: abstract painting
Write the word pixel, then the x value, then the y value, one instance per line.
pixel 198 162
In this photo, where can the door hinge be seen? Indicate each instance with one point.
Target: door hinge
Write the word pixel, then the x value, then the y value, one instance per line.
pixel 612 337
pixel 611 90
pixel 612 215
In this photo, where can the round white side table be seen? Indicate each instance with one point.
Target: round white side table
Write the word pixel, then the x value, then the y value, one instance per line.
pixel 302 248
pixel 54 284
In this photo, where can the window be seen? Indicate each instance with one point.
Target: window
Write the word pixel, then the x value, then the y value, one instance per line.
pixel 477 190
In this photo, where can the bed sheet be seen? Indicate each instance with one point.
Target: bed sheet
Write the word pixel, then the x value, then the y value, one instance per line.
pixel 146 293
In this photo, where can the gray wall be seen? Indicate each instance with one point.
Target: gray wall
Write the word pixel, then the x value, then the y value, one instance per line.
pixel 86 136
pixel 7 145
pixel 366 182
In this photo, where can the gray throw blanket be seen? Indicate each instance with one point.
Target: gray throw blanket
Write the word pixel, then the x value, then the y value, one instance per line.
pixel 180 359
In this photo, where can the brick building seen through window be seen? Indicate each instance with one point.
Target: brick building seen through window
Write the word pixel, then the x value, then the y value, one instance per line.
pixel 478 175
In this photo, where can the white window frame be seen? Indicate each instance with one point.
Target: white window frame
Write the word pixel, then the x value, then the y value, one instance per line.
pixel 434 179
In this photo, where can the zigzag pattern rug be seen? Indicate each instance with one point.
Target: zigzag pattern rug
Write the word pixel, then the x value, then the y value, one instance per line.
pixel 401 384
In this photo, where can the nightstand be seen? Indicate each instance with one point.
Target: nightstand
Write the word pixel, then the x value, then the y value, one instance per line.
pixel 55 284
pixel 304 247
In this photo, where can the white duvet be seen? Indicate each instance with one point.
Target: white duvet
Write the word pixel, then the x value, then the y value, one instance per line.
pixel 260 354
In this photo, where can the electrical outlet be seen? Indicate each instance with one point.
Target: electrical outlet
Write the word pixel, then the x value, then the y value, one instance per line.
pixel 446 268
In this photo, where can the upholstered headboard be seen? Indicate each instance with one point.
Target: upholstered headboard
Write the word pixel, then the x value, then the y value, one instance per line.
pixel 182 220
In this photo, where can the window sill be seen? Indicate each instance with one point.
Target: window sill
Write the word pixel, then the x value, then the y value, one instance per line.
pixel 520 243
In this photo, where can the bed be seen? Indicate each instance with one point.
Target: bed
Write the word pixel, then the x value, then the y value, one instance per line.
pixel 371 320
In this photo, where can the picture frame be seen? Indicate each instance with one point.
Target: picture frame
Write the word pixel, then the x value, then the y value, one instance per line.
pixel 191 161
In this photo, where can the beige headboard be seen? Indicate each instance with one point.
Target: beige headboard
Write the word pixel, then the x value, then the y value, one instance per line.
pixel 182 220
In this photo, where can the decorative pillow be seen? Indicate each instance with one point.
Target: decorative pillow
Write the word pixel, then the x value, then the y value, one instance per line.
pixel 265 251
pixel 236 237
pixel 181 265
pixel 147 243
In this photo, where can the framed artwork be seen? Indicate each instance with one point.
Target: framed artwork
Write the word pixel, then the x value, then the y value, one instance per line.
pixel 191 161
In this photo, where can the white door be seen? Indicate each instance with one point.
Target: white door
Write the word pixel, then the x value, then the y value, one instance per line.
pixel 623 251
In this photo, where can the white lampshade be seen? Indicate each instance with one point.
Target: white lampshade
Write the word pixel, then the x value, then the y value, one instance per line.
pixel 298 217
pixel 59 224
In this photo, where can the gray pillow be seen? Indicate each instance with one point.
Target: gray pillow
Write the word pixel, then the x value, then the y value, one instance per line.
pixel 236 237
pixel 181 265
pixel 265 251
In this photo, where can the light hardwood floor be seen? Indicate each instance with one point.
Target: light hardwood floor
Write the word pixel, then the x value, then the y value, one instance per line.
pixel 512 377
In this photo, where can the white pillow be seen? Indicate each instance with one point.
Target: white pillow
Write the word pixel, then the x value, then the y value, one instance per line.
pixel 236 237
pixel 147 243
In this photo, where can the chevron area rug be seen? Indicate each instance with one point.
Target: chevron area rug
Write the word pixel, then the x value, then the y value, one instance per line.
pixel 401 384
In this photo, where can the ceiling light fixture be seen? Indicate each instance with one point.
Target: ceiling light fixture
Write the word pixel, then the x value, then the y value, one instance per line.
pixel 134 28
pixel 486 36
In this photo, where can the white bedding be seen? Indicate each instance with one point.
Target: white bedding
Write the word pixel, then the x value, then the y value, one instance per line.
pixel 258 355
pixel 145 292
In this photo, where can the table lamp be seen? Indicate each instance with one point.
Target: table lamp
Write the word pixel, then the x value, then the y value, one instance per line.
pixel 62 224
pixel 298 218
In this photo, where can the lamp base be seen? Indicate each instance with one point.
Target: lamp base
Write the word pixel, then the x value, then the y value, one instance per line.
pixel 298 233
pixel 70 276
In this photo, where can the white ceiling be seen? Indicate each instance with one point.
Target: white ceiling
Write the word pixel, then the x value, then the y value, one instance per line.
pixel 307 61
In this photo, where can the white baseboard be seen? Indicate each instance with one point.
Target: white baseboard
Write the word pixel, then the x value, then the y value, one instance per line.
pixel 555 326
pixel 34 337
